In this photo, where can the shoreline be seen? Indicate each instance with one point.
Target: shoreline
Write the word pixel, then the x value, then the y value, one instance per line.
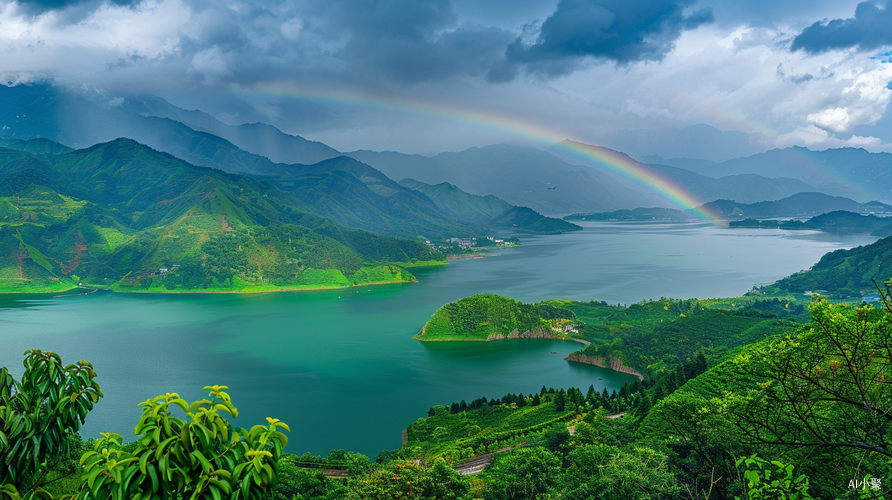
pixel 184 292
pixel 95 288
pixel 272 290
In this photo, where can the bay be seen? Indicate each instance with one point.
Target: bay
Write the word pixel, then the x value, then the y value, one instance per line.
pixel 340 366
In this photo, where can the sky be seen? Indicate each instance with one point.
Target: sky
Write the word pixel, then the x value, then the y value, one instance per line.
pixel 424 76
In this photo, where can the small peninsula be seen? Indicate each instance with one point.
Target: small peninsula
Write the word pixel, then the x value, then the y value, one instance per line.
pixel 643 339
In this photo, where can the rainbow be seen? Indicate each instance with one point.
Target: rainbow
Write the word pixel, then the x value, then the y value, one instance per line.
pixel 613 161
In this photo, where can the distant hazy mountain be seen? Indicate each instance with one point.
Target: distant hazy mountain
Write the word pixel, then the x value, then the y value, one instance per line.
pixel 520 175
pixel 798 205
pixel 692 164
pixel 121 214
pixel 636 215
pixel 742 188
pixel 488 210
pixel 836 221
pixel 257 138
pixel 855 173
pixel 35 146
pixel 697 141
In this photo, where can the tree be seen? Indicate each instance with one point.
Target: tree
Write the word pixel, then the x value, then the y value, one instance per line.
pixel 201 457
pixel 38 415
pixel 522 473
pixel 761 484
pixel 827 387
pixel 442 482
pixel 559 401
pixel 609 473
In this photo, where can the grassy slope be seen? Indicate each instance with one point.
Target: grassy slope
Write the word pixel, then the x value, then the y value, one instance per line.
pixel 475 432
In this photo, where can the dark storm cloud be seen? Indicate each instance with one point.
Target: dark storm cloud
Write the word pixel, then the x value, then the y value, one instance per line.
pixel 379 42
pixel 868 30
pixel 607 30
pixel 411 41
pixel 36 7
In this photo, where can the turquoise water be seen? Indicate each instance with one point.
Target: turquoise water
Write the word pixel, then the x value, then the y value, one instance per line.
pixel 340 367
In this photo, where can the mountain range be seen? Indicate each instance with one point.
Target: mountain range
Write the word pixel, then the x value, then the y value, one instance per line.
pixel 804 204
pixel 502 187
pixel 851 172
pixel 123 215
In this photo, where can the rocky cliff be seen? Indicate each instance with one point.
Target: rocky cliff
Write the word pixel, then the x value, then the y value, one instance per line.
pixel 615 364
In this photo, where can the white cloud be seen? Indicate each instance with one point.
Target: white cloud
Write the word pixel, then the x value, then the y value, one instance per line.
pixel 836 119
pixel 111 34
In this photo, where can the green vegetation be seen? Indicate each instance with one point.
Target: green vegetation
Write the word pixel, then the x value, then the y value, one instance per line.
pixel 801 412
pixel 841 273
pixel 38 415
pixel 124 217
pixel 488 316
pixel 204 456
pixel 649 337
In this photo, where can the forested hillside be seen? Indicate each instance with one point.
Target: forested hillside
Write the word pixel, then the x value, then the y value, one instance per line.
pixel 843 273
pixel 124 216
pixel 799 412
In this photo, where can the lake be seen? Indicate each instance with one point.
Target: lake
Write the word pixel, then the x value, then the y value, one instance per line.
pixel 340 366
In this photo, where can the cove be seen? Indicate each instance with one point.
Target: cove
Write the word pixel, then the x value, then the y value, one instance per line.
pixel 339 366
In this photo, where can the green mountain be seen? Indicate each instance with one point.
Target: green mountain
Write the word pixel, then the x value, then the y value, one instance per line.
pixel 798 205
pixel 357 195
pixel 124 216
pixel 488 210
pixel 369 201
pixel 843 273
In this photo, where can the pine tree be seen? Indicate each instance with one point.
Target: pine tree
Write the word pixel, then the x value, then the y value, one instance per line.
pixel 454 408
pixel 543 391
pixel 536 400
pixel 700 365
pixel 463 406
pixel 559 401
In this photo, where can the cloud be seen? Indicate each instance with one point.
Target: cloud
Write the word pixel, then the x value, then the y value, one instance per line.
pixel 606 30
pixel 409 42
pixel 868 30
pixel 75 10
pixel 836 119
